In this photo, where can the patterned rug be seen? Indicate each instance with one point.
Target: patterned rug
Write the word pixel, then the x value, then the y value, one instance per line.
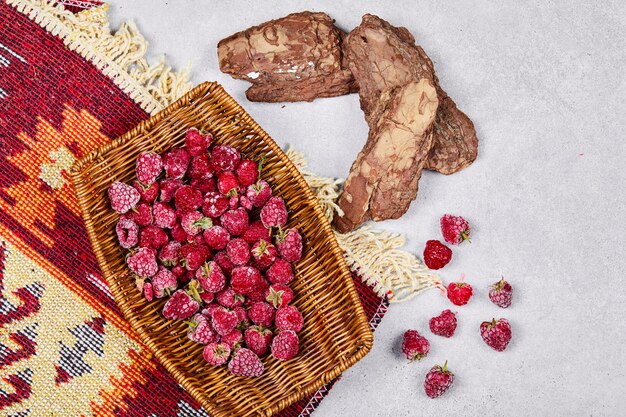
pixel 65 348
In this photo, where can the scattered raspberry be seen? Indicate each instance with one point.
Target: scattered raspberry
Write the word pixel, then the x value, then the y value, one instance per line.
pixel 444 324
pixel 233 202
pixel 238 251
pixel 245 202
pixel 225 158
pixel 178 233
pixel 229 298
pixel 142 214
pixel 194 255
pixel 280 272
pixel 203 185
pixel 193 222
pixel 216 354
pixel 200 168
pixel 455 229
pixel 414 346
pixel 224 321
pixel 164 215
pixel 152 237
pixel 436 254
pixel 438 380
pixel 180 306
pixel 289 244
pixel 200 330
pixel 264 254
pixel 274 213
pixel 255 232
pixel 244 279
pixel 211 277
pixel 169 188
pixel 501 293
pixel 459 293
pixel 197 141
pixel 285 345
pixel 215 204
pixel 258 339
pixel 147 291
pixel 127 232
pixel 259 193
pixel 279 295
pixel 261 313
pixel 148 167
pixel 289 318
pixel 163 283
pixel 143 262
pixel 246 363
pixel 216 237
pixel 235 221
pixel 123 197
pixel 147 193
pixel 233 339
pixel 496 333
pixel 224 262
pixel 187 198
pixel 247 172
pixel 176 162
pixel 227 184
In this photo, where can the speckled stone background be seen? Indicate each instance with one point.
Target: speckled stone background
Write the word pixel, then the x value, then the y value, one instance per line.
pixel 544 83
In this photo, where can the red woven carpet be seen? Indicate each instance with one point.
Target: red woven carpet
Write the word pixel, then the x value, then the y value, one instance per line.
pixel 65 348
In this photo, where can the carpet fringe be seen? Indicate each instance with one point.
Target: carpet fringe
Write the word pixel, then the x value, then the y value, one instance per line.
pixel 119 55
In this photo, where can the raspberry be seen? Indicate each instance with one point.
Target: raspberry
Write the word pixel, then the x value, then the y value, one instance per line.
pixel 147 291
pixel 203 185
pixel 142 214
pixel 148 167
pixel 176 162
pixel 143 262
pixel 245 202
pixel 187 198
pixel 197 141
pixel 201 168
pixel 229 298
pixel 496 333
pixel 258 339
pixel 444 324
pixel 224 262
pixel 279 295
pixel 193 222
pixel 285 345
pixel 178 233
pixel 255 232
pixel 216 237
pixel 245 363
pixel 238 251
pixel 180 306
pixel 214 204
pixel 168 189
pixel 164 215
pixel 235 221
pixel 274 213
pixel 459 293
pixel 438 380
pixel 207 297
pixel 436 254
pixel 194 255
pixel 259 193
pixel 258 293
pixel 264 254
pixel 224 321
pixel 147 193
pixel 233 202
pixel 179 272
pixel 414 346
pixel 261 313
pixel 127 232
pixel 455 229
pixel 200 330
pixel 209 309
pixel 247 172
pixel 216 354
pixel 242 316
pixel 123 197
pixel 211 277
pixel 227 184
pixel 225 158
pixel 289 318
pixel 233 339
pixel 289 244
pixel 152 237
pixel 244 279
pixel 280 272
pixel 501 293
pixel 163 283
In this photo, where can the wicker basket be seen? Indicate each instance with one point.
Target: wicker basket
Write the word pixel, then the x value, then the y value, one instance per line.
pixel 335 334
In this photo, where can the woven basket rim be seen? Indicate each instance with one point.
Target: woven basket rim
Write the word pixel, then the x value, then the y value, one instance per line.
pixel 76 173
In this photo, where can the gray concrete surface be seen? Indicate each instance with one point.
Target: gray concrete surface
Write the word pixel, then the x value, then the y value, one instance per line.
pixel 544 83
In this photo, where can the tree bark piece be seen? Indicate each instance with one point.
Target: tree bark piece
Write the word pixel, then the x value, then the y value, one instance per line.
pixel 295 58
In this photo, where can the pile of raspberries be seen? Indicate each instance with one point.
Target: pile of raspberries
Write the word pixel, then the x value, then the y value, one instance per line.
pixel 203 230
